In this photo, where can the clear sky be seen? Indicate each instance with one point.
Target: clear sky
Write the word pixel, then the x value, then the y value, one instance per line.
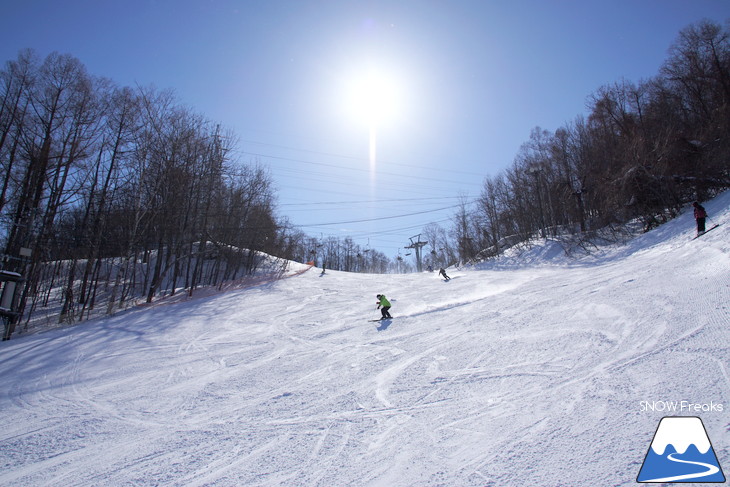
pixel 451 89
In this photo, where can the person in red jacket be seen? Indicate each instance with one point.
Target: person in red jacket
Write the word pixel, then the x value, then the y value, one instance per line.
pixel 700 216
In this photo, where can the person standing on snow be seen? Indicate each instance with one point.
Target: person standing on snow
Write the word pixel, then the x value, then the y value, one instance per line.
pixel 384 306
pixel 700 216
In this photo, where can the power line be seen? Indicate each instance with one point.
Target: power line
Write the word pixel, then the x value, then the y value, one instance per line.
pixel 355 158
pixel 395 200
pixel 384 173
pixel 324 178
pixel 380 218
pixel 397 231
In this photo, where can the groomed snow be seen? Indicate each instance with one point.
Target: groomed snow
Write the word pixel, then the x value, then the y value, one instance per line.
pixel 531 371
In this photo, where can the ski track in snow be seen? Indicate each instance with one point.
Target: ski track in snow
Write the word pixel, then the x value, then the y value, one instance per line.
pixel 509 375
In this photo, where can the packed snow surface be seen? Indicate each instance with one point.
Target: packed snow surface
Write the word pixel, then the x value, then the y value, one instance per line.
pixel 535 370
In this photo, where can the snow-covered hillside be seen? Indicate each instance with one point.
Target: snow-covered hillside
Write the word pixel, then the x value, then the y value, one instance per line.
pixel 528 372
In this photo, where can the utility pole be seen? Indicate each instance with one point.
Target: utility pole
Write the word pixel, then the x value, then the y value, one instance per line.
pixel 417 245
pixel 535 171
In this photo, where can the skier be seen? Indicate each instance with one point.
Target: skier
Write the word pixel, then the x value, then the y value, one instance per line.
pixel 384 306
pixel 700 216
pixel 442 272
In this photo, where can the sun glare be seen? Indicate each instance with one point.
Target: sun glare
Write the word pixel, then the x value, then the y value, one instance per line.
pixel 373 101
pixel 373 98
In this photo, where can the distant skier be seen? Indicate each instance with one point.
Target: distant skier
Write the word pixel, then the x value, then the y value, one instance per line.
pixel 384 306
pixel 442 272
pixel 700 216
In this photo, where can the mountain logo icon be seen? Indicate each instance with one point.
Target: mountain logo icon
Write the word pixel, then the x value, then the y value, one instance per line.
pixel 680 452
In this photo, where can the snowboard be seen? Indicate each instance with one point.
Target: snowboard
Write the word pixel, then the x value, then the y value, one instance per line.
pixel 711 228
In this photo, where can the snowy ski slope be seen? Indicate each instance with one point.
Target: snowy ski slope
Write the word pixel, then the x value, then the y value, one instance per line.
pixel 532 371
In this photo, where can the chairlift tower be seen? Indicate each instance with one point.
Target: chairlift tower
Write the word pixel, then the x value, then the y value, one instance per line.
pixel 417 245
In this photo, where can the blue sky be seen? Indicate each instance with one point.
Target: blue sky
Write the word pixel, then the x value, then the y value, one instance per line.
pixel 468 81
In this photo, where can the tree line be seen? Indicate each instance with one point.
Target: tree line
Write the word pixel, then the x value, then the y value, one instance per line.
pixel 342 254
pixel 642 153
pixel 111 194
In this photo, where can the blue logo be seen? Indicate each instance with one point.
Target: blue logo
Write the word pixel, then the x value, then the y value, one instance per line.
pixel 681 452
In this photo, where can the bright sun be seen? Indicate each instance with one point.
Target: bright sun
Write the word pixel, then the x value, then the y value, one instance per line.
pixel 373 98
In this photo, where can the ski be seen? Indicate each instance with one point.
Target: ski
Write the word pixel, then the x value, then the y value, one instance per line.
pixel 711 228
pixel 380 319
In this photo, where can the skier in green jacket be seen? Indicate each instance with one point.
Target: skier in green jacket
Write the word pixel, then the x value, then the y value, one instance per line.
pixel 384 306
